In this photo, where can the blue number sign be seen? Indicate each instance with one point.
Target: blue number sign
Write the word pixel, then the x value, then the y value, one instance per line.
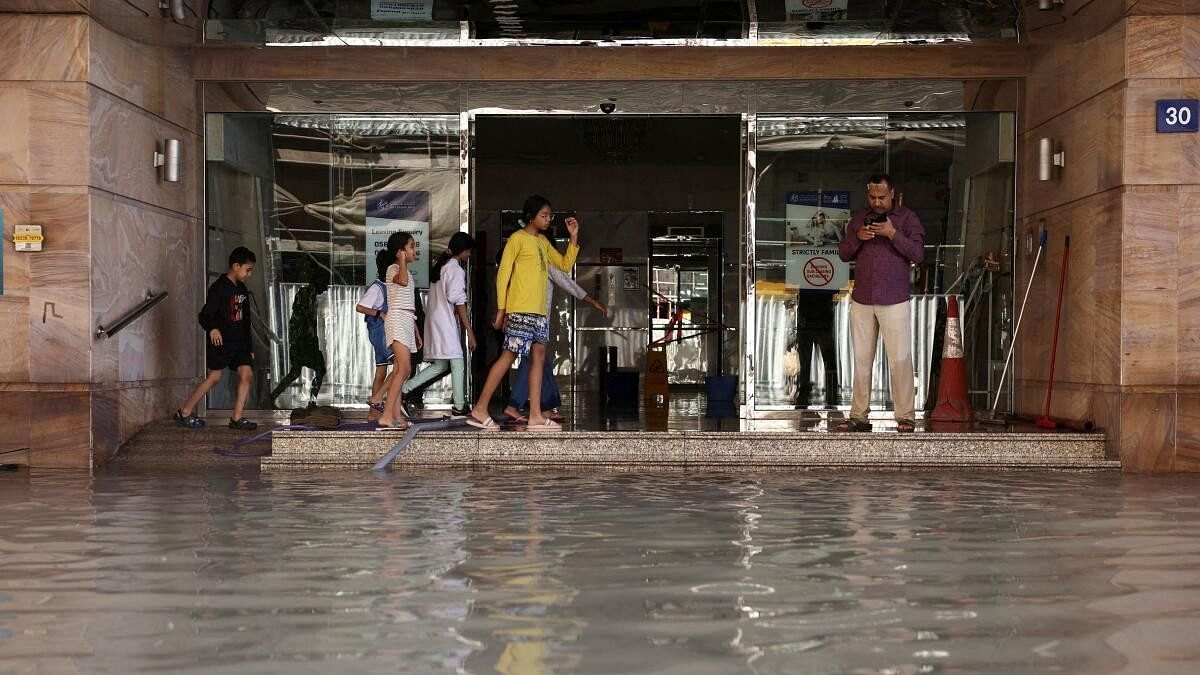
pixel 1178 115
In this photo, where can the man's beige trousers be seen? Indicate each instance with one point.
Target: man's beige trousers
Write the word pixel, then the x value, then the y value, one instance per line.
pixel 895 323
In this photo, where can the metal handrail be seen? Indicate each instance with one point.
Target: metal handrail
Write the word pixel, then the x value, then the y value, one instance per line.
pixel 150 301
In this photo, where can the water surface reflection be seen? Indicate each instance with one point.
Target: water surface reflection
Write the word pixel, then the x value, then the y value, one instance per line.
pixel 539 573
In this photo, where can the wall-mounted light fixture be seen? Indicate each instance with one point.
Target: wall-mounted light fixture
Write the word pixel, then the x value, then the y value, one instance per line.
pixel 1046 5
pixel 173 8
pixel 1049 157
pixel 168 159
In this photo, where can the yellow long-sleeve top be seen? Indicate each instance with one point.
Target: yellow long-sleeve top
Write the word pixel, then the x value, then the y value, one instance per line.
pixel 521 279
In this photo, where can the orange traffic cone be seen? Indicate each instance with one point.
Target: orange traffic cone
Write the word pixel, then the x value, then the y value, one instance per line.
pixel 953 404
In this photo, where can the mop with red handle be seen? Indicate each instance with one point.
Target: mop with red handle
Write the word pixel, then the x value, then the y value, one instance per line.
pixel 1045 422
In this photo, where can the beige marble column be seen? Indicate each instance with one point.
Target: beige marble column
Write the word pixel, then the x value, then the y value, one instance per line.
pixel 84 107
pixel 1129 200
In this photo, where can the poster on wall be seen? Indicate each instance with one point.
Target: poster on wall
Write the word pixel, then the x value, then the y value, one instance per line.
pixel 399 211
pixel 816 10
pixel 816 268
pixel 402 10
pixel 813 218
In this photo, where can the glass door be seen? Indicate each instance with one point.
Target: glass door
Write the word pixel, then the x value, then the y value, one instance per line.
pixel 331 189
pixel 954 170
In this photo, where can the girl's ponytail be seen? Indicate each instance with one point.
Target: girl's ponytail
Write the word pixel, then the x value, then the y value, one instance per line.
pixel 382 261
pixel 461 241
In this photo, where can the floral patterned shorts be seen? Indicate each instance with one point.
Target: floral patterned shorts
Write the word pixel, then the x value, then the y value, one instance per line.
pixel 522 330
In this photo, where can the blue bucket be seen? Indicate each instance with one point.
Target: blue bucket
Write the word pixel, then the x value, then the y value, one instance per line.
pixel 622 387
pixel 721 387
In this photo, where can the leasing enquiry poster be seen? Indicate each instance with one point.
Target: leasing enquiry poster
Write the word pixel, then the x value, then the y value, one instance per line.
pixel 399 211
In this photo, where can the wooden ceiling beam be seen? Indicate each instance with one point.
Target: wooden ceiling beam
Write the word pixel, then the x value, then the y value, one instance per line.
pixel 577 63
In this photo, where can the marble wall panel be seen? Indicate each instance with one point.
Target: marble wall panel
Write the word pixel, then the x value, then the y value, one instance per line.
pixel 1147 438
pixel 1150 241
pixel 1189 285
pixel 1092 135
pixel 1158 47
pixel 45 136
pixel 15 408
pixel 1089 340
pixel 58 133
pixel 59 304
pixel 1106 413
pixel 1149 330
pixel 154 78
pixel 1187 434
pixel 123 144
pixel 65 258
pixel 61 430
pixel 136 249
pixel 1096 64
pixel 106 425
pixel 1106 363
pixel 49 47
pixel 14 303
pixel 1151 158
pixel 14 137
pixel 60 335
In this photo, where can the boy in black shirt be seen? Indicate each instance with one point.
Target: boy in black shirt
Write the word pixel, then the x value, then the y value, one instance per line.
pixel 226 319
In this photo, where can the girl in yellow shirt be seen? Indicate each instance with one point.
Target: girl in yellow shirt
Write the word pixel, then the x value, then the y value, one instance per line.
pixel 521 308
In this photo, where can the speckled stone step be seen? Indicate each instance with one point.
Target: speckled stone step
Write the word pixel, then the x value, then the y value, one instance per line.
pixel 521 449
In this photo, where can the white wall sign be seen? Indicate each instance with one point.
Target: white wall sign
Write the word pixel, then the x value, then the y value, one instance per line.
pixel 816 268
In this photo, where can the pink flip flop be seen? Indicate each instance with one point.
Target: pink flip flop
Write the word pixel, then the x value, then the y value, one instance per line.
pixel 488 424
pixel 549 425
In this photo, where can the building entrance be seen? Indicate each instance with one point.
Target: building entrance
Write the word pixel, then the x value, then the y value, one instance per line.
pixel 659 203
pixel 714 236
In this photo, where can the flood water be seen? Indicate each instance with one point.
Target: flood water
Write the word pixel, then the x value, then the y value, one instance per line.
pixel 546 573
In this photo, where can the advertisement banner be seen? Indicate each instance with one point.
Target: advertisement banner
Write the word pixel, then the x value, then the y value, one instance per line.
pixel 399 211
pixel 816 268
pixel 815 218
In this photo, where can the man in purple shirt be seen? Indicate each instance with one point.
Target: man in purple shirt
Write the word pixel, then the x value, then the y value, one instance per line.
pixel 882 240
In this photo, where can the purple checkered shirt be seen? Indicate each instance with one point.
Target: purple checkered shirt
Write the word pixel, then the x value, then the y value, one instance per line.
pixel 881 266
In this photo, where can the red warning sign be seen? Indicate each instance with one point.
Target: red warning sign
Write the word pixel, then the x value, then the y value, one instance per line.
pixel 818 271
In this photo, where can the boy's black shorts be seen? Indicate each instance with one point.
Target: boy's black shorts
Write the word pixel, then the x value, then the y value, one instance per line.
pixel 228 356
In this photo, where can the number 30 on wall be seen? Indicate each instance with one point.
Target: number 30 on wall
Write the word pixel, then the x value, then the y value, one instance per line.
pixel 1177 115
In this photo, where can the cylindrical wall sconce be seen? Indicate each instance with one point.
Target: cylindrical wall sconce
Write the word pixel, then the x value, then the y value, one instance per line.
pixel 173 8
pixel 168 159
pixel 1048 158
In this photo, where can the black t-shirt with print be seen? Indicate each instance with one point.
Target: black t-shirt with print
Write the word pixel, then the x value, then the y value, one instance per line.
pixel 228 309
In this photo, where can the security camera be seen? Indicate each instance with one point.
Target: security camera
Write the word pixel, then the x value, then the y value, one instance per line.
pixel 608 107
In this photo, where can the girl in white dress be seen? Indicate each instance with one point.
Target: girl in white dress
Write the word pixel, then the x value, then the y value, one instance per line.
pixel 400 324
pixel 446 319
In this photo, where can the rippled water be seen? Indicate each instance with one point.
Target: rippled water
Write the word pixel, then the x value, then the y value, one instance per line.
pixel 535 573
